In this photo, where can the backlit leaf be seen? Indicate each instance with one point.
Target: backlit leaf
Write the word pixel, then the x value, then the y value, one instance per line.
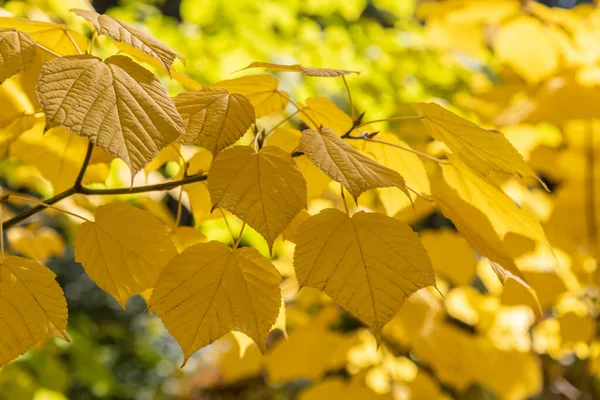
pixel 55 37
pixel 306 71
pixel 346 165
pixel 124 251
pixel 17 52
pixel 115 104
pixel 264 189
pixel 214 119
pixel 32 306
pixel 324 112
pixel 369 263
pixel 209 290
pixel 129 34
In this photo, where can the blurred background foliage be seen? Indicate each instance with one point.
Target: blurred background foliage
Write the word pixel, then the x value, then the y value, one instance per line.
pixel 520 66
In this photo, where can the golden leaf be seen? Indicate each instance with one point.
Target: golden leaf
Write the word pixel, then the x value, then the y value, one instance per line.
pixel 265 189
pixel 17 53
pixel 483 150
pixel 126 33
pixel 346 165
pixel 39 245
pixel 54 37
pixel 260 90
pixel 214 119
pixel 305 71
pixel 117 105
pixel 124 251
pixel 32 306
pixel 369 263
pixel 325 113
pixel 209 290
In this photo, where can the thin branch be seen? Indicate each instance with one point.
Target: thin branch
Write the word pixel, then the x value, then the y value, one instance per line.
pixel 403 118
pixel 179 208
pixel 34 210
pixel 143 189
pixel 419 153
pixel 42 204
pixel 84 165
pixel 353 112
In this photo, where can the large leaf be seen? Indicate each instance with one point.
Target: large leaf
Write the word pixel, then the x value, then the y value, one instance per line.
pixel 116 104
pixel 129 34
pixel 124 251
pixel 54 37
pixel 481 149
pixel 261 90
pixel 32 306
pixel 343 163
pixel 214 119
pixel 210 289
pixel 369 263
pixel 17 53
pixel 264 189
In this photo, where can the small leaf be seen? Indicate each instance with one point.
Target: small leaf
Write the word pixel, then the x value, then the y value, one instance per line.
pixel 260 90
pixel 124 251
pixel 123 32
pixel 305 71
pixel 369 263
pixel 209 290
pixel 264 189
pixel 214 119
pixel 346 165
pixel 32 307
pixel 483 150
pixel 17 53
pixel 117 104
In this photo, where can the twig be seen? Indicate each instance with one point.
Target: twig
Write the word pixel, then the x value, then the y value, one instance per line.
pixel 42 204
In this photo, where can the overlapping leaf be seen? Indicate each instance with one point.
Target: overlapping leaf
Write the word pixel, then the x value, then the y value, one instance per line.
pixel 54 37
pixel 320 111
pixel 346 165
pixel 214 119
pixel 32 306
pixel 17 53
pixel 306 71
pixel 369 263
pixel 264 189
pixel 129 34
pixel 116 104
pixel 124 250
pixel 210 289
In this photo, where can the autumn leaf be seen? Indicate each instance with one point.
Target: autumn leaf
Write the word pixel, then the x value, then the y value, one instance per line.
pixel 17 53
pixel 124 250
pixel 323 112
pixel 115 104
pixel 209 290
pixel 213 118
pixel 265 189
pixel 123 32
pixel 261 90
pixel 32 306
pixel 346 165
pixel 483 150
pixel 369 263
pixel 305 71
pixel 54 37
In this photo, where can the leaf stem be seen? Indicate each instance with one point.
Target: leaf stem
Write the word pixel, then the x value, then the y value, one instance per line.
pixel 402 118
pixel 285 96
pixel 353 112
pixel 280 123
pixel 1 234
pixel 43 204
pixel 237 242
pixel 84 165
pixel 344 199
pixel 227 225
pixel 73 42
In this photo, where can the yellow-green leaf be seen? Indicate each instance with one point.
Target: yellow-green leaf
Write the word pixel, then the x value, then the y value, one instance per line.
pixel 17 53
pixel 116 104
pixel 124 250
pixel 126 33
pixel 261 90
pixel 369 263
pixel 481 149
pixel 209 290
pixel 32 306
pixel 264 189
pixel 346 165
pixel 214 119
pixel 306 71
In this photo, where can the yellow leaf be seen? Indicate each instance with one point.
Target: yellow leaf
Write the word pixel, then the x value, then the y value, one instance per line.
pixel 209 290
pixel 32 306
pixel 243 360
pixel 265 189
pixel 337 388
pixel 185 236
pixel 214 119
pixel 306 71
pixel 51 36
pixel 535 58
pixel 260 90
pixel 123 32
pixel 369 263
pixel 124 251
pixel 170 153
pixel 517 291
pixel 117 105
pixel 290 232
pixel 17 53
pixel 483 150
pixel 451 255
pixel 39 245
pixel 324 112
pixel 346 165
